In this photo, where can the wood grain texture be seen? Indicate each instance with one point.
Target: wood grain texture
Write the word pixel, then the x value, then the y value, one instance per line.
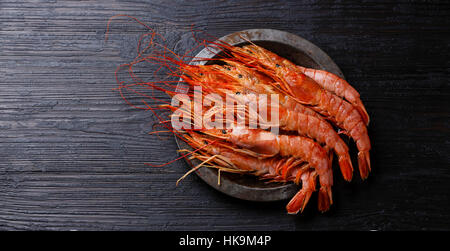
pixel 72 152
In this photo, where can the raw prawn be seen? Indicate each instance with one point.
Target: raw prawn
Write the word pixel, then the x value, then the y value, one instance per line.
pixel 326 80
pixel 306 91
pixel 269 144
pixel 293 120
pixel 309 100
pixel 291 170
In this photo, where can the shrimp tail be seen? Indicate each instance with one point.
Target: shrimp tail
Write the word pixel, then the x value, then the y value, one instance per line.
pixel 364 164
pixel 299 201
pixel 325 199
pixel 362 111
pixel 346 167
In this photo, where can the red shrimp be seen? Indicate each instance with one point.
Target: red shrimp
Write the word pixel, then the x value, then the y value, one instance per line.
pixel 291 119
pixel 326 80
pixel 269 144
pixel 291 170
pixel 306 91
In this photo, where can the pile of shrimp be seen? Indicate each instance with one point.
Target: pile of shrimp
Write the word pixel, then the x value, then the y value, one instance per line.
pixel 315 108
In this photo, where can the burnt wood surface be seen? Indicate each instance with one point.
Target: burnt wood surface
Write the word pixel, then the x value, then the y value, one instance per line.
pixel 72 153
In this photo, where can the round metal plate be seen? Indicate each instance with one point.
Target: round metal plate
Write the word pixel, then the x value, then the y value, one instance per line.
pixel 287 45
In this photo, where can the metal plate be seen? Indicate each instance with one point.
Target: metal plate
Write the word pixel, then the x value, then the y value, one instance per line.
pixel 287 45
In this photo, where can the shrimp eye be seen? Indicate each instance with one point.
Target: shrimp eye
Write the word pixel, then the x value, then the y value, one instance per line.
pixel 201 74
pixel 237 93
pixel 240 75
pixel 224 131
pixel 206 142
pixel 277 65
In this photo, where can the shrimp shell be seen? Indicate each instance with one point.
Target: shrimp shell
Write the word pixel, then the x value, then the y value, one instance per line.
pixel 291 170
pixel 293 117
pixel 326 80
pixel 306 91
pixel 269 144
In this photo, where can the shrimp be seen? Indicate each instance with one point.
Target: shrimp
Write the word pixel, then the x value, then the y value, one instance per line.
pixel 344 115
pixel 309 101
pixel 278 169
pixel 306 91
pixel 268 144
pixel 338 86
pixel 291 170
pixel 326 80
pixel 299 201
pixel 251 81
pixel 322 132
pixel 301 121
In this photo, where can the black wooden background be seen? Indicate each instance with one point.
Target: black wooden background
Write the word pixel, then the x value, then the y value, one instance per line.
pixel 72 153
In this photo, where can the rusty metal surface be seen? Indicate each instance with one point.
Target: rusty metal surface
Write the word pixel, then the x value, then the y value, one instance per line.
pixel 292 47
